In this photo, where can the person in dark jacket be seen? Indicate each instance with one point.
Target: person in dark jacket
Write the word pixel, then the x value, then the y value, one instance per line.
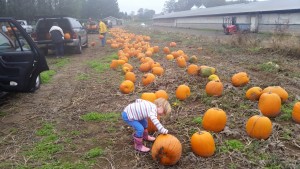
pixel 57 36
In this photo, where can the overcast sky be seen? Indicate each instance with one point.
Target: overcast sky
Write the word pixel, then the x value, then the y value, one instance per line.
pixel 135 5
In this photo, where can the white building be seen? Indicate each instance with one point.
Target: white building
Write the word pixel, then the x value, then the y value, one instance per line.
pixel 261 16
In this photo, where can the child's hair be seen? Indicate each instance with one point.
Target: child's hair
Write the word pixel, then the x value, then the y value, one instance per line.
pixel 161 102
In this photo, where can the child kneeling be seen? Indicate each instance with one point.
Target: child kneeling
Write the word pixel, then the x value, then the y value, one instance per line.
pixel 136 114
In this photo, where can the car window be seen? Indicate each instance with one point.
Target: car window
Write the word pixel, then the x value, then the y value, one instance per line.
pixel 75 23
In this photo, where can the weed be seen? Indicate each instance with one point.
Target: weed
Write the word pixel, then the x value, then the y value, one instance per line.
pixel 94 116
pixel 269 67
pixel 47 75
pixel 98 66
pixel 62 62
pixel 75 133
pixel 231 145
pixel 286 112
pixel 46 130
pixel 95 152
pixel 197 120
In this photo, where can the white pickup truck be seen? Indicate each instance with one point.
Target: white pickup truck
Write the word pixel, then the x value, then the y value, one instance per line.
pixel 28 28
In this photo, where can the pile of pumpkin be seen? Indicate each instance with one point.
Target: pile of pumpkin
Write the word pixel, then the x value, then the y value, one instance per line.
pixel 167 148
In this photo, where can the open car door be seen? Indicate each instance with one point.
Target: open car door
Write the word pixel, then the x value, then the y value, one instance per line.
pixel 20 60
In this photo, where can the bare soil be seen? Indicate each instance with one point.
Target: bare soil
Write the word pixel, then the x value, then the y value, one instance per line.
pixel 66 98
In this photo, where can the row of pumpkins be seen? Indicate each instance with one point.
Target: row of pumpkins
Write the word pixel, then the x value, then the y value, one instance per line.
pixel 214 119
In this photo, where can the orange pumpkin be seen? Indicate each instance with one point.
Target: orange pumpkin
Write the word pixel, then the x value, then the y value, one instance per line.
pixel 214 119
pixel 183 92
pixel 67 36
pixel 269 104
pixel 148 96
pixel 162 94
pixel 129 66
pixel 166 149
pixel 148 79
pixel 145 67
pixel 101 36
pixel 125 69
pixel 259 127
pixel 127 87
pixel 254 93
pixel 93 43
pixel 181 62
pixel 193 69
pixel 240 79
pixel 151 127
pixel 121 62
pixel 278 90
pixel 214 88
pixel 114 64
pixel 296 112
pixel 173 44
pixel 155 49
pixel 158 71
pixel 166 50
pixel 170 57
pixel 155 64
pixel 130 76
pixel 203 144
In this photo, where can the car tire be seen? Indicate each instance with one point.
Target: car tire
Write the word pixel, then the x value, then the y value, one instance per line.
pixel 35 84
pixel 78 48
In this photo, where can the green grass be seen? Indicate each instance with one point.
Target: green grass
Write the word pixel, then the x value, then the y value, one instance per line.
pixel 286 111
pixel 101 65
pixel 197 120
pixel 62 62
pixel 269 67
pixel 95 152
pixel 46 130
pixel 82 76
pixel 94 116
pixel 232 145
pixel 46 76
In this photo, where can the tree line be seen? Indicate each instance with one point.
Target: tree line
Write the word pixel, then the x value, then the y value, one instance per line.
pixel 81 9
pixel 183 5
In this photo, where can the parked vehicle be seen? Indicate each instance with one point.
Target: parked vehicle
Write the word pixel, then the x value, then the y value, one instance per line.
pixel 24 24
pixel 78 35
pixel 20 59
pixel 92 27
pixel 230 26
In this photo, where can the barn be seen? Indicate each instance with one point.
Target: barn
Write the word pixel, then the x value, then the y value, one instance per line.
pixel 261 16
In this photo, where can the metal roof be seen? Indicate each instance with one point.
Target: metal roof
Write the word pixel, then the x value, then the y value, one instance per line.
pixel 252 7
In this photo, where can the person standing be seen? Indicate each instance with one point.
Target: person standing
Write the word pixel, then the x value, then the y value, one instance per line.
pixel 57 36
pixel 102 31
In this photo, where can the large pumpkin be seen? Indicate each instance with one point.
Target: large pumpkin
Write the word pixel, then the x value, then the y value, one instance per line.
pixel 296 112
pixel 130 76
pixel 259 127
pixel 278 90
pixel 203 144
pixel 166 149
pixel 148 96
pixel 148 79
pixel 158 71
pixel 114 64
pixel 269 104
pixel 67 36
pixel 181 62
pixel 127 86
pixel 145 67
pixel 240 79
pixel 214 119
pixel 162 94
pixel 193 69
pixel 254 93
pixel 183 92
pixel 166 50
pixel 214 88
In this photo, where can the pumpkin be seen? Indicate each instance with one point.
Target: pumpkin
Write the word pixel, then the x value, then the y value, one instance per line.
pixel 67 36
pixel 259 127
pixel 192 69
pixel 114 64
pixel 269 104
pixel 213 77
pixel 93 43
pixel 203 144
pixel 166 149
pixel 149 96
pixel 173 44
pixel 162 94
pixel 101 36
pixel 129 66
pixel 278 90
pixel 214 119
pixel 145 67
pixel 155 49
pixel 170 57
pixel 254 93
pixel 148 79
pixel 158 71
pixel 151 127
pixel 181 62
pixel 155 64
pixel 166 50
pixel 214 88
pixel 175 54
pixel 121 62
pixel 193 59
pixel 206 71
pixel 125 69
pixel 148 53
pixel 240 79
pixel 183 92
pixel 130 76
pixel 127 86
pixel 296 112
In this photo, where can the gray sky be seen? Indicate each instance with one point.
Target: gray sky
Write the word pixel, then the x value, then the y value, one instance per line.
pixel 135 5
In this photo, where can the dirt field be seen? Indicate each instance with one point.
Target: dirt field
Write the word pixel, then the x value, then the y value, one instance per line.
pixel 46 129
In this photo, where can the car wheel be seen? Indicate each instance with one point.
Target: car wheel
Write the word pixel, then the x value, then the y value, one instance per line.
pixel 35 84
pixel 78 49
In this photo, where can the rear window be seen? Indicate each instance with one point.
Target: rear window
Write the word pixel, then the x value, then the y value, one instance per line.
pixel 44 25
pixel 75 23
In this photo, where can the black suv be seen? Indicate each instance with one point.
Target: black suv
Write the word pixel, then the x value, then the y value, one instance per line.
pixel 78 34
pixel 20 60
